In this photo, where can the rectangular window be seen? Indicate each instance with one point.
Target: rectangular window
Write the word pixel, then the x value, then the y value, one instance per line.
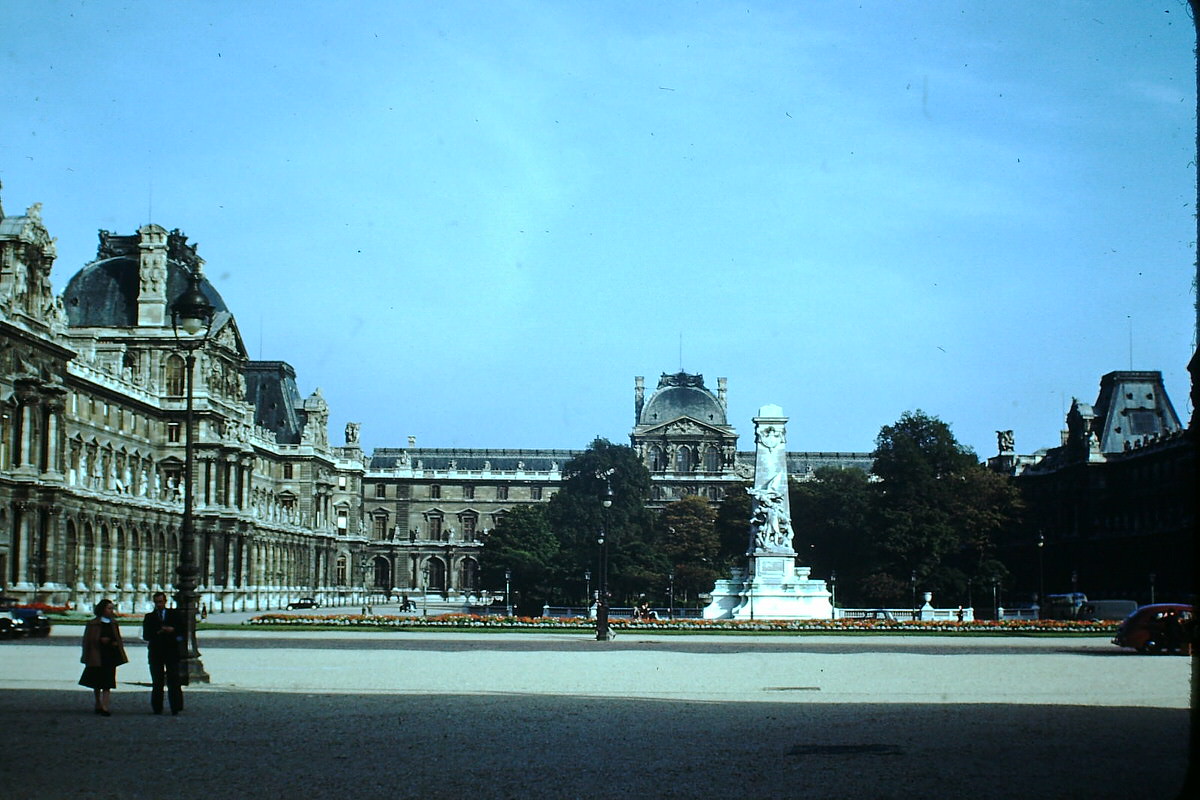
pixel 342 521
pixel 535 493
pixel 435 528
pixel 468 493
pixel 287 471
pixel 468 524
pixel 501 492
pixel 380 527
pixel 435 491
pixel 381 490
pixel 173 429
pixel 341 481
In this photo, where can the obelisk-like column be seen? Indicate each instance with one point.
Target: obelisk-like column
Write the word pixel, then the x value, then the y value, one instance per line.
pixel 771 551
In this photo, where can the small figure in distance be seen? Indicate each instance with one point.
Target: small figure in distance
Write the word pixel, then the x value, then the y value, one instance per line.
pixel 103 652
pixel 163 632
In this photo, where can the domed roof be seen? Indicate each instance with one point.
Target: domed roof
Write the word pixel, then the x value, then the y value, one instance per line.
pixel 682 395
pixel 104 294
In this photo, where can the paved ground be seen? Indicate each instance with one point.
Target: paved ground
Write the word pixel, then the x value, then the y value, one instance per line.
pixel 396 715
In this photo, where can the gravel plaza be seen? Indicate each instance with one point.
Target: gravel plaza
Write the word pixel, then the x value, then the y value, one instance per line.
pixel 394 715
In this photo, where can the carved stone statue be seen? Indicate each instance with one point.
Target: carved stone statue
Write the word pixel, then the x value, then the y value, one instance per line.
pixel 770 514
pixel 352 429
pixel 1005 441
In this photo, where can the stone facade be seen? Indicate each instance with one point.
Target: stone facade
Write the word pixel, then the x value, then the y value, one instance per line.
pixel 92 404
pixel 92 442
pixel 1108 510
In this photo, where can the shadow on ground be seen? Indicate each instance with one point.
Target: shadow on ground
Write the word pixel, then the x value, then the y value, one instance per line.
pixel 232 744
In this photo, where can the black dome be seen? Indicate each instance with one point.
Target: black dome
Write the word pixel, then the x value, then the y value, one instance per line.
pixel 104 294
pixel 673 402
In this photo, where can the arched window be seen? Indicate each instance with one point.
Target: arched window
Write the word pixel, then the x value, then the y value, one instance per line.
pixel 383 573
pixel 340 571
pixel 712 459
pixel 658 459
pixel 469 577
pixel 684 460
pixel 437 575
pixel 175 376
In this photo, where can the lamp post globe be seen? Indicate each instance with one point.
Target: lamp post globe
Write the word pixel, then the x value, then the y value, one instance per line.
pixel 191 320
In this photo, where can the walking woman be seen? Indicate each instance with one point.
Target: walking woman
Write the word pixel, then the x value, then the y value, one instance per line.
pixel 103 652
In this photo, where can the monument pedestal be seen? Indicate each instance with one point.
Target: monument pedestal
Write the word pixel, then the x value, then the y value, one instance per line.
pixel 774 589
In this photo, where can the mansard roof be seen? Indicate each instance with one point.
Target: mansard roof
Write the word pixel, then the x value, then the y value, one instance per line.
pixel 1132 408
pixel 682 395
pixel 278 407
pixel 104 294
pixel 470 460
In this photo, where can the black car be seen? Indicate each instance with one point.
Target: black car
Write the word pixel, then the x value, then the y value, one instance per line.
pixel 17 621
pixel 303 602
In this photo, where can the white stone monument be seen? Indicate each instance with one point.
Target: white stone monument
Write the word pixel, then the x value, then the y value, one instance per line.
pixel 772 586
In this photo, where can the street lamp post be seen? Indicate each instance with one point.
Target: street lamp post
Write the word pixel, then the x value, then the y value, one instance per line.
pixel 671 596
pixel 191 319
pixel 833 592
pixel 508 592
pixel 1151 588
pixel 913 583
pixel 425 590
pixel 1041 545
pixel 603 634
pixel 587 588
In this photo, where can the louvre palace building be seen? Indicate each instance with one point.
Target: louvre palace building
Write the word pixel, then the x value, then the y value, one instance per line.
pixel 92 452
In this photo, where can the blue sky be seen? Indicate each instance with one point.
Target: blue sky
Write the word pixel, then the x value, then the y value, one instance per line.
pixel 475 223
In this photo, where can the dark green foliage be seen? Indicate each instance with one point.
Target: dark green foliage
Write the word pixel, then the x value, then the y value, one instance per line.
pixel 577 516
pixel 733 528
pixel 937 510
pixel 831 515
pixel 523 543
pixel 688 538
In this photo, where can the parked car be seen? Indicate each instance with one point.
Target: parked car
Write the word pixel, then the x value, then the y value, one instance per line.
pixel 1158 628
pixel 16 620
pixel 303 602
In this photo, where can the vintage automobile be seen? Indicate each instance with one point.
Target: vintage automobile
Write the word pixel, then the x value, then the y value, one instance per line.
pixel 1158 628
pixel 16 620
pixel 303 602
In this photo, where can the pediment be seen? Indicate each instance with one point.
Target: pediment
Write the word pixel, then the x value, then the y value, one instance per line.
pixel 684 426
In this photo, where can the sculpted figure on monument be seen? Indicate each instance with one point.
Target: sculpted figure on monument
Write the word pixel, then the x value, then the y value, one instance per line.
pixel 769 520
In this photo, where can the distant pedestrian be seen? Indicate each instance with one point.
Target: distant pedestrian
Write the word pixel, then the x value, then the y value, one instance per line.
pixel 163 630
pixel 103 652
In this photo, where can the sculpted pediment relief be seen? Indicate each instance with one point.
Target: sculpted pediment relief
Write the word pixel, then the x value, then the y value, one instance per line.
pixel 684 426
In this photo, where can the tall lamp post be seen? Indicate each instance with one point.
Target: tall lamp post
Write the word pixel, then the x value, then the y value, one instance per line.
pixel 671 596
pixel 587 589
pixel 508 592
pixel 1041 569
pixel 425 590
pixel 913 583
pixel 603 634
pixel 833 592
pixel 191 320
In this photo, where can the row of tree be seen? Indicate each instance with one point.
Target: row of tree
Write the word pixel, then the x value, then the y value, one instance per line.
pixel 925 519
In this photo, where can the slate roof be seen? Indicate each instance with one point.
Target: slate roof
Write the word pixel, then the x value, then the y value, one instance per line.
pixel 105 293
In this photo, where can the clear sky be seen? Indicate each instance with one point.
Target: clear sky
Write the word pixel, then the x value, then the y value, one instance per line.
pixel 476 222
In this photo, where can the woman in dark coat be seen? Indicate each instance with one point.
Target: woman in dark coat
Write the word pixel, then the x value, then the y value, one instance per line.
pixel 103 652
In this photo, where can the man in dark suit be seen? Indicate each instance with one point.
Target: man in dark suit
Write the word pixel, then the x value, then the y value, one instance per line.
pixel 162 631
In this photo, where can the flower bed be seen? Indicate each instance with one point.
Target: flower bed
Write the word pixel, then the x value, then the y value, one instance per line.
pixel 476 621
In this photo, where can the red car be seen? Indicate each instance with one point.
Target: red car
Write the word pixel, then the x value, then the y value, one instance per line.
pixel 1158 628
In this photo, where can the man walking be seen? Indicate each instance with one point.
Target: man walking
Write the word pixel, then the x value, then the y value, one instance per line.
pixel 162 632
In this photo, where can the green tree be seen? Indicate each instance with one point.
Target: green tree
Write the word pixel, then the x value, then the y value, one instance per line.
pixel 688 538
pixel 937 509
pixel 733 528
pixel 577 516
pixel 523 543
pixel 831 515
